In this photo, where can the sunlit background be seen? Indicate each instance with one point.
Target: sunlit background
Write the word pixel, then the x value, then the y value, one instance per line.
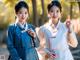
pixel 38 16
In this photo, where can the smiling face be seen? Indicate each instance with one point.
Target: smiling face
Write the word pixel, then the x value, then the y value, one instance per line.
pixel 22 15
pixel 54 14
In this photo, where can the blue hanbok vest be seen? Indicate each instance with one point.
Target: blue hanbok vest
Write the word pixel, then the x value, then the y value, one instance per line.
pixel 20 44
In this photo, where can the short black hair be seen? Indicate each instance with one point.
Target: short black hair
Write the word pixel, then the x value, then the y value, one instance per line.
pixel 21 4
pixel 54 3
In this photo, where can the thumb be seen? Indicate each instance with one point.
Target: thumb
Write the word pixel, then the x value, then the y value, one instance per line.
pixel 68 23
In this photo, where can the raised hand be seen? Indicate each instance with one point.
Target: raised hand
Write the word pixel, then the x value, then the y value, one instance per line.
pixel 68 24
pixel 32 33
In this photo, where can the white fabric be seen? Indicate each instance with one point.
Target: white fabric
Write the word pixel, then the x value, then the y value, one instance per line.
pixel 57 40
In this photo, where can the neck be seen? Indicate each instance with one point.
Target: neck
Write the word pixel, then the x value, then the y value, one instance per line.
pixel 22 23
pixel 55 22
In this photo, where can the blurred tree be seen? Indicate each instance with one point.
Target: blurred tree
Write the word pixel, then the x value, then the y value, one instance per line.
pixel 71 7
pixel 10 13
pixel 3 12
pixel 38 10
pixel 78 1
pixel 65 9
pixel 35 17
pixel 43 12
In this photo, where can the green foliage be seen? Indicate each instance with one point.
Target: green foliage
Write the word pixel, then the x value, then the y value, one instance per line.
pixel 7 14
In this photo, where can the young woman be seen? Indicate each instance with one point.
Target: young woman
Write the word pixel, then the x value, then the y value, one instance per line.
pixel 56 35
pixel 22 38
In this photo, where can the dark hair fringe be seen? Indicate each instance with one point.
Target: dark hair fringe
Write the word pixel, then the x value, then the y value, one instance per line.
pixel 21 4
pixel 54 3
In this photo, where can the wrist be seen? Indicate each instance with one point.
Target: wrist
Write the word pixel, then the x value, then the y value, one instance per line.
pixel 69 30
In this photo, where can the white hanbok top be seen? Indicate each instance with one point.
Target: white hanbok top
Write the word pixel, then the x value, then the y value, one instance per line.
pixel 56 40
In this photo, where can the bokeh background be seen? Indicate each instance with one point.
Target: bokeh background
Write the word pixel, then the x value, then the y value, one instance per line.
pixel 38 16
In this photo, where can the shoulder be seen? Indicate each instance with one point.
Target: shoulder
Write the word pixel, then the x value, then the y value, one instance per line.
pixel 31 26
pixel 63 26
pixel 42 28
pixel 11 27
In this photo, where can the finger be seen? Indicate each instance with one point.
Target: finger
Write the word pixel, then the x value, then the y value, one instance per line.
pixel 29 32
pixel 32 34
pixel 53 55
pixel 68 23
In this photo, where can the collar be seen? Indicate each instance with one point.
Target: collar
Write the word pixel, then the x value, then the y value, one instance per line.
pixel 51 24
pixel 22 26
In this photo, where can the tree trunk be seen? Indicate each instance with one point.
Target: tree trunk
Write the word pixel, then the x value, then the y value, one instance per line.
pixel 43 9
pixel 71 7
pixel 79 6
pixel 35 17
pixel 43 12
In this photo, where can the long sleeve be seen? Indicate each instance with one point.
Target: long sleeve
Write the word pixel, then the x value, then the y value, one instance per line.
pixel 10 45
pixel 36 41
pixel 72 40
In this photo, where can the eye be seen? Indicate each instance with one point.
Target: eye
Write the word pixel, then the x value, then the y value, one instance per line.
pixel 51 11
pixel 57 11
pixel 25 12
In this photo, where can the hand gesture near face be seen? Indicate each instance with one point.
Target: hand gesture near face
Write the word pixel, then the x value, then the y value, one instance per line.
pixel 32 33
pixel 68 25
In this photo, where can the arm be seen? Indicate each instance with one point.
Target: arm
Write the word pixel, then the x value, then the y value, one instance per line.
pixel 32 33
pixel 42 39
pixel 42 45
pixel 10 46
pixel 36 41
pixel 72 40
pixel 45 52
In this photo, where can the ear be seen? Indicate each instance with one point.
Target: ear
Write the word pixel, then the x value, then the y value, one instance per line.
pixel 48 15
pixel 60 14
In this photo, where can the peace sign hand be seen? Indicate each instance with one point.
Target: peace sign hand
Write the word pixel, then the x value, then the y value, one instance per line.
pixel 68 24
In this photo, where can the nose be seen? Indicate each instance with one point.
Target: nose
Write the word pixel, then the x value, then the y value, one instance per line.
pixel 23 15
pixel 54 14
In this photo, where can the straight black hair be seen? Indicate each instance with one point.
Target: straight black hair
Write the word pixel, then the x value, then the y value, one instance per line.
pixel 21 4
pixel 54 3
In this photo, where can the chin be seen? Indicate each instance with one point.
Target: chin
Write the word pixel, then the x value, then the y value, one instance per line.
pixel 55 19
pixel 22 20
